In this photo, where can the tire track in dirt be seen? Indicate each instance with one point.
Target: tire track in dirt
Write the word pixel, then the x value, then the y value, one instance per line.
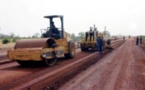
pixel 138 68
pixel 123 69
pixel 124 72
pixel 115 68
pixel 98 75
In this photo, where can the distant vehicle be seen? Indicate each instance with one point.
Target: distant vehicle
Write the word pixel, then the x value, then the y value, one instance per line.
pixel 89 41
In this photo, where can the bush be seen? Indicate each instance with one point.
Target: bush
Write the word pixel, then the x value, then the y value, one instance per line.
pixel 14 40
pixel 5 40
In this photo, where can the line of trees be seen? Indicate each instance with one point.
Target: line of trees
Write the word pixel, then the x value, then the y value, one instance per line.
pixel 6 38
pixel 12 35
pixel 78 38
pixel 13 38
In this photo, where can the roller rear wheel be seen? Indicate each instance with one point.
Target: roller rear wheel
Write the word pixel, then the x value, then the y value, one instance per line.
pixel 82 48
pixel 71 50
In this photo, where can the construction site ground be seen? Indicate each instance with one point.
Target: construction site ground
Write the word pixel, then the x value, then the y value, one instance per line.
pixel 122 69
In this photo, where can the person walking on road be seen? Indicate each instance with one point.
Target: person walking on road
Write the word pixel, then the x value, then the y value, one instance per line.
pixel 124 38
pixel 99 44
pixel 137 40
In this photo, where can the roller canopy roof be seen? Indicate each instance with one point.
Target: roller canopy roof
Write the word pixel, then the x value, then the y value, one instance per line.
pixel 53 16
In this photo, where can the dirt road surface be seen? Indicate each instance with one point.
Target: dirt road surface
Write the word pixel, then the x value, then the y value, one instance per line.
pixel 122 69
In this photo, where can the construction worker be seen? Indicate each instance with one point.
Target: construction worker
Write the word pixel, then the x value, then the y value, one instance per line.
pixel 55 32
pixel 86 36
pixel 137 40
pixel 91 34
pixel 99 44
pixel 95 32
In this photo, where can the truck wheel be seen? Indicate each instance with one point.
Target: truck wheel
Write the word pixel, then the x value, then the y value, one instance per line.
pixel 50 62
pixel 96 47
pixel 86 49
pixel 71 50
pixel 82 48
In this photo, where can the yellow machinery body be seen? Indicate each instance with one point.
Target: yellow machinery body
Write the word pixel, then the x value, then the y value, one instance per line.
pixel 33 49
pixel 46 49
pixel 91 41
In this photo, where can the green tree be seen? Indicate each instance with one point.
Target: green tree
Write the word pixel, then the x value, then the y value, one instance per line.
pixel 5 40
pixel 36 35
pixel 81 35
pixel 73 37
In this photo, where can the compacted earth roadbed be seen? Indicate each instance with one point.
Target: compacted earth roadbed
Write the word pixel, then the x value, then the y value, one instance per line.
pixel 122 69
pixel 14 76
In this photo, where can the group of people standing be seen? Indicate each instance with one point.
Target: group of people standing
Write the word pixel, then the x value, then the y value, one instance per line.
pixel 138 40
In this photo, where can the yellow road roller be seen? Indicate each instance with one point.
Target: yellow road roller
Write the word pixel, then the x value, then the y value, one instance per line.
pixel 55 43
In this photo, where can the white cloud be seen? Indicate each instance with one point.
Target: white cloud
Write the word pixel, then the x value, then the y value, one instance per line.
pixel 25 17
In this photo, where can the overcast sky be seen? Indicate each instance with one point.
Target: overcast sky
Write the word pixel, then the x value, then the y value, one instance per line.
pixel 25 17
